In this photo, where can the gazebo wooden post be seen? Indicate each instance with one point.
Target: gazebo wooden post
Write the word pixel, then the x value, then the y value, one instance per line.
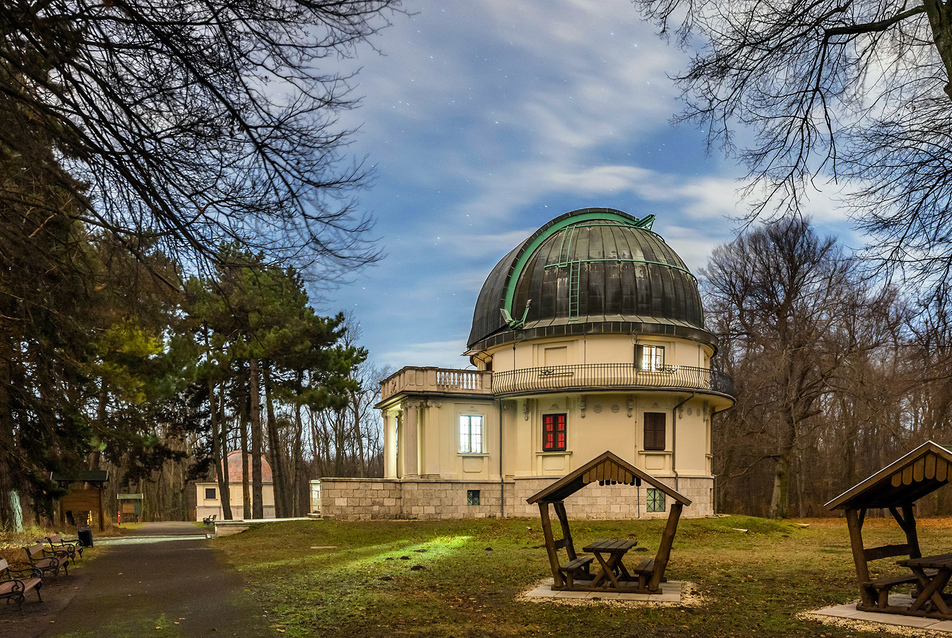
pixel 854 522
pixel 566 533
pixel 908 524
pixel 550 544
pixel 664 550
pixel 102 510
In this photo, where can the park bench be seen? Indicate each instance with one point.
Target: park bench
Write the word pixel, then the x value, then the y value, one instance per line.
pixel 40 559
pixel 577 569
pixel 210 519
pixel 16 588
pixel 62 547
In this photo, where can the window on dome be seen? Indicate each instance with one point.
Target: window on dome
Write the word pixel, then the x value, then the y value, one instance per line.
pixel 649 358
pixel 654 430
pixel 471 434
pixel 553 432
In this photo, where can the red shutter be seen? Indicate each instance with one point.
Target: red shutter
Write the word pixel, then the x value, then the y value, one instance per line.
pixel 553 432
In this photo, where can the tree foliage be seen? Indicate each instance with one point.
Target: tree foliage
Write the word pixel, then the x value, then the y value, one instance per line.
pixel 855 92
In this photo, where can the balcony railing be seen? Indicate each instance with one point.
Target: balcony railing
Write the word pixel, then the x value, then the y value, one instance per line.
pixel 413 379
pixel 609 376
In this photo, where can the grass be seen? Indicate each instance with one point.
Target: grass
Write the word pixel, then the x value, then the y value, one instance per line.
pixel 465 578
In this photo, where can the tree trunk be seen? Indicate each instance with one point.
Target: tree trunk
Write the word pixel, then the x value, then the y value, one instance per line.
pixel 219 452
pixel 7 447
pixel 282 500
pixel 245 474
pixel 297 459
pixel 940 19
pixel 355 401
pixel 254 388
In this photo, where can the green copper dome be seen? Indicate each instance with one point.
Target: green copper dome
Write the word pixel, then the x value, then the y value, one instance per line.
pixel 594 270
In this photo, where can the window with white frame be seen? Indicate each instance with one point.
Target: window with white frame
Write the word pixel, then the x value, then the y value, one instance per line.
pixel 649 358
pixel 471 434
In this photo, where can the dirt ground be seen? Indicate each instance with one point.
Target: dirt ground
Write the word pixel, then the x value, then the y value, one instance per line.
pixel 163 579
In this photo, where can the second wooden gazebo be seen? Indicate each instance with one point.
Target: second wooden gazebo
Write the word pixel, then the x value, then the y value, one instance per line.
pixel 896 488
pixel 606 469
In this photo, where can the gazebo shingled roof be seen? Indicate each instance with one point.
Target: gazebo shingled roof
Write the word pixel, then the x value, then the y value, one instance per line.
pixel 904 481
pixel 605 468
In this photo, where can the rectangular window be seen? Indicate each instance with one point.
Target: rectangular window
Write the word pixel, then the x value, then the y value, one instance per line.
pixel 553 432
pixel 655 500
pixel 472 497
pixel 649 358
pixel 654 431
pixel 210 493
pixel 471 434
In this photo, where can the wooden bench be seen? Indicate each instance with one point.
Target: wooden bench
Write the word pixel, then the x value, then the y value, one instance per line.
pixel 210 520
pixel 68 548
pixel 577 569
pixel 644 571
pixel 40 559
pixel 16 588
pixel 878 589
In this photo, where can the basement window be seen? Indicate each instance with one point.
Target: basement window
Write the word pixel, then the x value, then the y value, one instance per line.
pixel 655 500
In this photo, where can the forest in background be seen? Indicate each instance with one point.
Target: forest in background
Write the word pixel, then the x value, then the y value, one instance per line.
pixel 120 370
pixel 142 329
pixel 837 373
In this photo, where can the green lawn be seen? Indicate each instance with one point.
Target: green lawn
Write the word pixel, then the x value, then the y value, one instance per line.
pixel 465 578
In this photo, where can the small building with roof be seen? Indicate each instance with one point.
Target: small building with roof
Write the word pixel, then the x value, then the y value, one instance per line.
pixel 208 495
pixel 588 335
pixel 895 488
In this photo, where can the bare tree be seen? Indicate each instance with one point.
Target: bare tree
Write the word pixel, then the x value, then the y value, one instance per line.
pixel 781 297
pixel 197 122
pixel 856 91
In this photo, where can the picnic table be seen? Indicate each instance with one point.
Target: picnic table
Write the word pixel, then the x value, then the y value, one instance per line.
pixel 609 554
pixel 930 600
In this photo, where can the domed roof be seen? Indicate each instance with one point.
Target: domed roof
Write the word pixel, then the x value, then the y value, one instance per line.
pixel 594 270
pixel 236 472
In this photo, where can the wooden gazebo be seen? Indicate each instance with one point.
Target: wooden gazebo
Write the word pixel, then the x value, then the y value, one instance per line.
pixel 896 487
pixel 85 498
pixel 606 469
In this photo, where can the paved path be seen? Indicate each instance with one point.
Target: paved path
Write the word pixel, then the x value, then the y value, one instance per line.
pixel 163 575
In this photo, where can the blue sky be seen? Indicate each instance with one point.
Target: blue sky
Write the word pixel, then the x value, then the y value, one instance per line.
pixel 484 120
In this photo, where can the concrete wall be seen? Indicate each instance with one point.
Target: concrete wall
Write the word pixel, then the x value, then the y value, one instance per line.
pixel 423 499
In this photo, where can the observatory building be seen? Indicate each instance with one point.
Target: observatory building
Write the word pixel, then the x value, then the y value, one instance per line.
pixel 588 336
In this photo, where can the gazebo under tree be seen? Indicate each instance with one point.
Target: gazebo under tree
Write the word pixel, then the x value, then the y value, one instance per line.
pixel 606 469
pixel 896 488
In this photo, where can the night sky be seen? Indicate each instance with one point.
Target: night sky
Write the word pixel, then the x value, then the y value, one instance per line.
pixel 483 120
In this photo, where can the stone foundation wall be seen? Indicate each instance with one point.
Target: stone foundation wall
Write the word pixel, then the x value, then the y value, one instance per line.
pixel 370 499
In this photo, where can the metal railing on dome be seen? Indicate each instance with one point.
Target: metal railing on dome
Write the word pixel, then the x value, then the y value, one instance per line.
pixel 597 376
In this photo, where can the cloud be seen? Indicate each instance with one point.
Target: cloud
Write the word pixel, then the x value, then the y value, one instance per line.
pixel 440 354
